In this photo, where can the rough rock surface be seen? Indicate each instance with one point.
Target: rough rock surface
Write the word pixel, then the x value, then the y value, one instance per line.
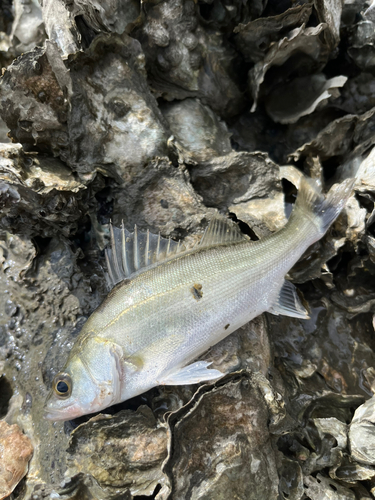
pixel 15 453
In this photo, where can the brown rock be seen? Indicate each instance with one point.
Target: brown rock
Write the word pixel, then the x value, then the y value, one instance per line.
pixel 15 452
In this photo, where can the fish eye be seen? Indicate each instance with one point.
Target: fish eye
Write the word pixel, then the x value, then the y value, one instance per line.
pixel 62 385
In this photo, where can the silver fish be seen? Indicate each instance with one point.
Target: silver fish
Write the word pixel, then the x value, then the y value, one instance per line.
pixel 170 304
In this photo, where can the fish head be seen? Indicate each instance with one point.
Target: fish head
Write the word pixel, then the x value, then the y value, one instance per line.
pixel 90 382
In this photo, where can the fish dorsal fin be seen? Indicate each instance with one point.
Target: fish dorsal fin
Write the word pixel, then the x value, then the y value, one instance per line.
pixel 222 231
pixel 130 253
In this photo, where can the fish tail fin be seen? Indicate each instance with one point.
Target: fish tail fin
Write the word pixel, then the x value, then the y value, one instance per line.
pixel 321 209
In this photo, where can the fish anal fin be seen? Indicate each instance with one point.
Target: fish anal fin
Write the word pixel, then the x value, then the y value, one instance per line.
pixel 191 374
pixel 288 303
pixel 221 231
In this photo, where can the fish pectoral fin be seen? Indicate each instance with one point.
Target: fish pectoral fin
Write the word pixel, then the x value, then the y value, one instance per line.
pixel 288 303
pixel 191 374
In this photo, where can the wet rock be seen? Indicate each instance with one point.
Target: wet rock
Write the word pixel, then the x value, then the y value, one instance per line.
pixel 362 44
pixel 350 298
pixel 131 120
pixel 161 199
pixel 61 27
pixel 223 449
pixel 291 479
pixel 7 52
pixel 262 215
pixel 357 94
pixel 302 96
pixel 362 433
pixel 51 294
pixel 27 28
pixel 356 221
pixel 40 173
pixel 351 472
pixel 122 453
pixel 198 130
pixel 224 14
pixel 305 41
pixel 235 178
pixel 257 132
pixel 3 132
pixel 313 358
pixel 333 140
pixel 334 427
pixel 113 16
pixel 323 487
pixel 254 38
pixel 329 12
pixel 73 25
pixel 109 81
pixel 182 57
pixel 371 247
pixel 33 104
pixel 126 114
pixel 15 452
pixel 38 194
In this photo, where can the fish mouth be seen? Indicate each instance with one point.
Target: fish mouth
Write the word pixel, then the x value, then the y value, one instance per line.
pixel 67 413
pixel 55 415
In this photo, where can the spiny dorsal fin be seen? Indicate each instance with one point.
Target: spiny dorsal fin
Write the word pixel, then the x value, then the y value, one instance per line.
pixel 130 253
pixel 221 232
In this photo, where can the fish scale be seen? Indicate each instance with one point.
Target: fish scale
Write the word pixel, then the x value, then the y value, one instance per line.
pixel 170 304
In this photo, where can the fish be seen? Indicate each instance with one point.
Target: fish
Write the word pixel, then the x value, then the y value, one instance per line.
pixel 169 304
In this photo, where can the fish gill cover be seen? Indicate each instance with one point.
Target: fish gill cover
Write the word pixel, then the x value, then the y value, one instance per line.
pixel 164 114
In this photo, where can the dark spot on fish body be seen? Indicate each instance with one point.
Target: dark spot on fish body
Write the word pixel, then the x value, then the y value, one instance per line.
pixel 196 290
pixel 226 326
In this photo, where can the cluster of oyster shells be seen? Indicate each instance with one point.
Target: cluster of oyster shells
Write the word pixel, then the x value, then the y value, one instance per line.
pixel 162 114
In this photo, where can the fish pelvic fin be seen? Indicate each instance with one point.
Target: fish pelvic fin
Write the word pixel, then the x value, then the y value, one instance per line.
pixel 321 209
pixel 192 374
